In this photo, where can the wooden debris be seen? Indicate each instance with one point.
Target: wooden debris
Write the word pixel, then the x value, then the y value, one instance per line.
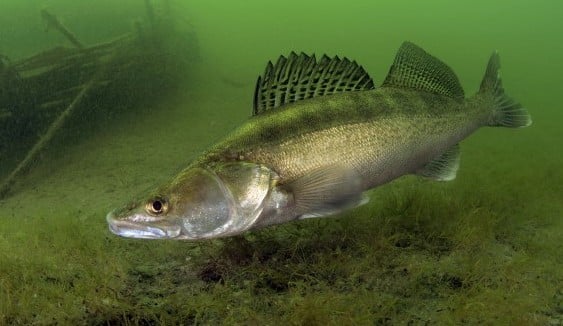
pixel 53 22
pixel 41 94
pixel 32 155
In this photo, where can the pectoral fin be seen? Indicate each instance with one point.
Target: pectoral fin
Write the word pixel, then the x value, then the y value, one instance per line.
pixel 326 191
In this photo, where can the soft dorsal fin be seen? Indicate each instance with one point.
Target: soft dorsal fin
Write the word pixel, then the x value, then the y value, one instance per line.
pixel 415 68
pixel 299 77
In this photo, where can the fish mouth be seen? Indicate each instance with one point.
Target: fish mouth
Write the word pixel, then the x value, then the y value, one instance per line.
pixel 139 230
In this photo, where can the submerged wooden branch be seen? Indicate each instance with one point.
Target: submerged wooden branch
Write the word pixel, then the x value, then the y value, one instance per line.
pixel 53 22
pixel 42 143
pixel 150 13
pixel 32 155
pixel 60 56
pixel 4 114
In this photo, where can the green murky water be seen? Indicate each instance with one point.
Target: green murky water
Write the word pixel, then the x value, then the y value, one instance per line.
pixel 485 248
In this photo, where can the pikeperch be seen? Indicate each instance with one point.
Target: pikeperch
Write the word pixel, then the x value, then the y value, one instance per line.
pixel 322 134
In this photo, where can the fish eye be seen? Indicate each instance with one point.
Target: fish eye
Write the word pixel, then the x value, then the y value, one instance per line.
pixel 157 206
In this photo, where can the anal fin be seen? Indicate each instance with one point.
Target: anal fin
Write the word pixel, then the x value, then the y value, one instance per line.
pixel 443 168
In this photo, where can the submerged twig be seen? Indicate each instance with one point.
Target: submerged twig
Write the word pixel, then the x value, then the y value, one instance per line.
pixel 150 13
pixel 2 64
pixel 53 22
pixel 4 114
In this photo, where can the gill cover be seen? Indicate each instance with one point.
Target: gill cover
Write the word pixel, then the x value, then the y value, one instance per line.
pixel 224 200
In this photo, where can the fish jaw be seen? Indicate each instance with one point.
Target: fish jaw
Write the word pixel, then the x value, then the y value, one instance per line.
pixel 142 227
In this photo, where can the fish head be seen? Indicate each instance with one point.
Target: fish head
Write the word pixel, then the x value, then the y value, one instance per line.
pixel 201 203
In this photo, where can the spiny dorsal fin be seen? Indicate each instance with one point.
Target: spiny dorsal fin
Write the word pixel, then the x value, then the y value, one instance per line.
pixel 416 69
pixel 299 77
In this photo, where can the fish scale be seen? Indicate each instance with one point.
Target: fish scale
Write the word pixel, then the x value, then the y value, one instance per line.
pixel 367 145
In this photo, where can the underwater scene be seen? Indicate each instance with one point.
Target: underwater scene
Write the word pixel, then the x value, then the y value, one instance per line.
pixel 167 162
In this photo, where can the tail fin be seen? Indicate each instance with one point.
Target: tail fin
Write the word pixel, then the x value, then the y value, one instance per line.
pixel 506 112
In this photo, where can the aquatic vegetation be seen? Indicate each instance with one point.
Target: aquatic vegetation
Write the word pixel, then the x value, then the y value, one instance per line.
pixel 419 253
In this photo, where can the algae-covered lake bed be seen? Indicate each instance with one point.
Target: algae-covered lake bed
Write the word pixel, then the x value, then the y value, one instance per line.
pixel 485 248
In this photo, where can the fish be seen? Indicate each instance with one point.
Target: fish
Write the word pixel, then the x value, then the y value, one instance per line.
pixel 320 136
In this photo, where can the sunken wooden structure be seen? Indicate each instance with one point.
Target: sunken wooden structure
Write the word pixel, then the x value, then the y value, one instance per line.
pixel 71 86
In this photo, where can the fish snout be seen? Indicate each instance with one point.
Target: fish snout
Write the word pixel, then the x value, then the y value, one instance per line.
pixel 143 226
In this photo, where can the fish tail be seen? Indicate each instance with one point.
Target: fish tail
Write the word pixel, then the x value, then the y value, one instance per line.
pixel 506 111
